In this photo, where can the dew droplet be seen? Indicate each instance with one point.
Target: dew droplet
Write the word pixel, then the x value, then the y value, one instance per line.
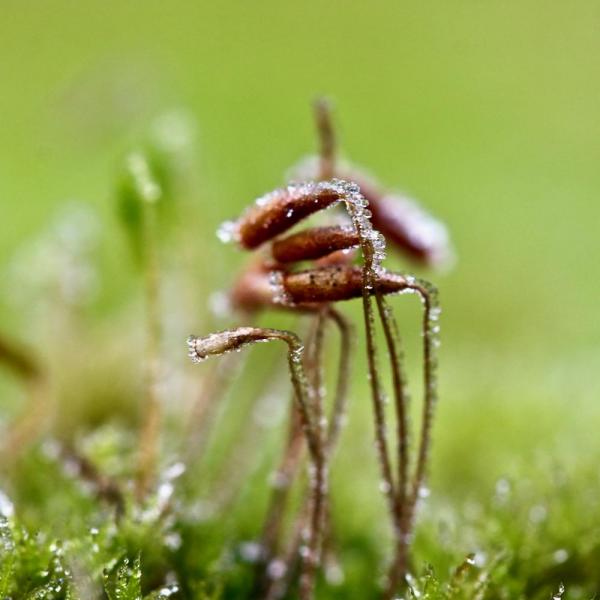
pixel 559 594
pixel 228 232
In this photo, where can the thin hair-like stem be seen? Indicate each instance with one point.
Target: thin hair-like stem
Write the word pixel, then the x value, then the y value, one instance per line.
pixel 401 535
pixel 400 396
pixel 369 277
pixel 288 469
pixel 340 399
pixel 277 212
pixel 338 410
pixel 230 340
pixel 430 330
pixel 431 313
pixel 388 487
pixel 313 548
pixel 150 432
pixel 286 472
pixel 326 134
pixel 316 374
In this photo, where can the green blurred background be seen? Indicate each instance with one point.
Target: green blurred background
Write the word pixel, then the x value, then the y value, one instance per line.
pixel 485 111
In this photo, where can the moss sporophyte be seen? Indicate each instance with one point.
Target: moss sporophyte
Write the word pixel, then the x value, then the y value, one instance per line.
pixel 270 281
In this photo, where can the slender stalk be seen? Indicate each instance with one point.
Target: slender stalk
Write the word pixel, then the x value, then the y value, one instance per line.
pixel 400 396
pixel 338 410
pixel 430 331
pixel 401 537
pixel 227 341
pixel 372 246
pixel 431 313
pixel 292 455
pixel 311 553
pixel 279 588
pixel 388 486
pixel 315 370
pixel 326 135
pixel 150 433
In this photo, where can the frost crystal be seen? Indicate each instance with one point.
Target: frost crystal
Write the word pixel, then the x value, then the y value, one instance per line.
pixel 280 296
pixel 7 508
pixel 228 232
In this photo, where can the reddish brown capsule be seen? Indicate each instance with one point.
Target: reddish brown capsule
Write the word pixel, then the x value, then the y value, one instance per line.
pixel 332 284
pixel 275 213
pixel 404 223
pixel 314 243
pixel 253 291
pixel 260 288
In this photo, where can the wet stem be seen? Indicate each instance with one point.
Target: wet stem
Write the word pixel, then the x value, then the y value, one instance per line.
pixel 292 452
pixel 375 382
pixel 429 361
pixel 399 562
pixel 318 477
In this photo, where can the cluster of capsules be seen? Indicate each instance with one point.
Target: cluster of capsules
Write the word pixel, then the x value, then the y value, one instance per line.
pixel 344 263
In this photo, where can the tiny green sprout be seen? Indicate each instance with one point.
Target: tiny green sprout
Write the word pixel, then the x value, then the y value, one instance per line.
pixel 147 188
pixel 140 193
pixel 146 191
pixel 153 175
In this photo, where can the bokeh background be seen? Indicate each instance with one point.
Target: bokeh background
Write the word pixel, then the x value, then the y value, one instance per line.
pixel 485 111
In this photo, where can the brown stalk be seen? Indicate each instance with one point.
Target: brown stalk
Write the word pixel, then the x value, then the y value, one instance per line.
pixel 280 210
pixel 410 229
pixel 232 340
pixel 344 283
pixel 291 458
pixel 389 488
pixel 428 295
pixel 290 461
pixel 326 135
pixel 338 410
pixel 317 286
pixel 400 401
